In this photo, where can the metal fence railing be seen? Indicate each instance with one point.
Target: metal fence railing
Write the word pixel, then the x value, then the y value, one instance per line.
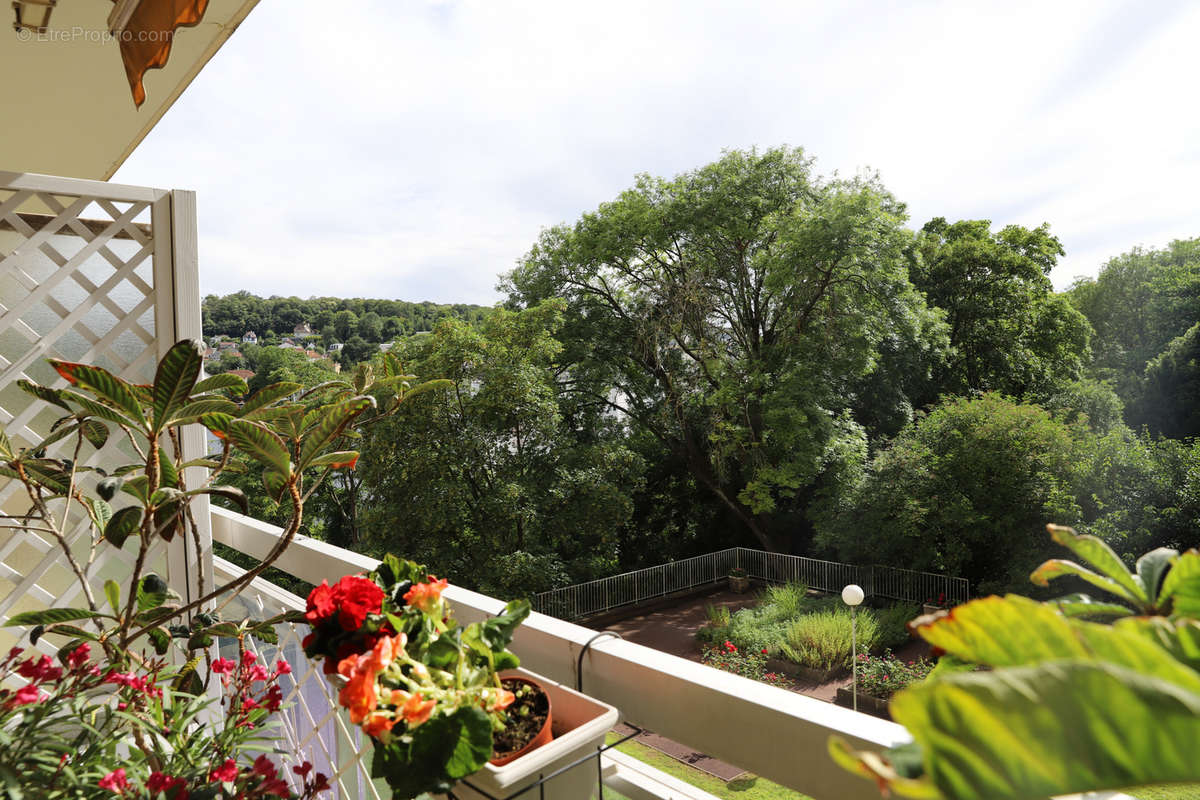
pixel 640 586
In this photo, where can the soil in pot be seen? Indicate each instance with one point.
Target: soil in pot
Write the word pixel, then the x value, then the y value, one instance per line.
pixel 528 723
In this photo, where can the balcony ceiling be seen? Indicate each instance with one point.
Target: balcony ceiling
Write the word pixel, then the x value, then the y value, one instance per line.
pixel 65 100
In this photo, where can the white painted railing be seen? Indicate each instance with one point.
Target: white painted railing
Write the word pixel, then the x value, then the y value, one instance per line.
pixel 639 586
pixel 771 732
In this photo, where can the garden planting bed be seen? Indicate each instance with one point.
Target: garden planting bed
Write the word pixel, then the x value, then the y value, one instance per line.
pixel 867 704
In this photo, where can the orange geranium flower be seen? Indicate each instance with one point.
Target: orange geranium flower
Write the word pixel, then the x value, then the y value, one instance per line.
pixel 426 596
pixel 504 699
pixel 378 723
pixel 414 710
pixel 359 694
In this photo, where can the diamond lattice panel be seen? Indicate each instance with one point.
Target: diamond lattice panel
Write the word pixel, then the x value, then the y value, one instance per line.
pixel 77 283
pixel 312 727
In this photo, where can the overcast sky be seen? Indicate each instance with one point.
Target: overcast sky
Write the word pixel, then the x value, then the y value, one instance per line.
pixel 413 150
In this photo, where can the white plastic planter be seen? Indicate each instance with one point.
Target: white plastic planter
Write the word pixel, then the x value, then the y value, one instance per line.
pixel 579 723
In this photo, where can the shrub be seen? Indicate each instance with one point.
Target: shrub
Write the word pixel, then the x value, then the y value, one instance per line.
pixel 785 601
pixel 822 640
pixel 883 676
pixel 893 624
pixel 747 663
pixel 718 616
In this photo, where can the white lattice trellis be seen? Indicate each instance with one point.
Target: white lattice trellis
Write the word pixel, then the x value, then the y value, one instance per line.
pixel 97 273
pixel 313 729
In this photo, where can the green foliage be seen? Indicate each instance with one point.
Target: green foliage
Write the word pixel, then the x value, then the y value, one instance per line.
pixel 883 676
pixel 491 465
pixel 823 639
pixel 1109 706
pixel 1009 332
pixel 1168 399
pixel 962 491
pixel 750 664
pixel 656 284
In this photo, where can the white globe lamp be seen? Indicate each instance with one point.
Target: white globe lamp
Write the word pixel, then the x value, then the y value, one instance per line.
pixel 853 596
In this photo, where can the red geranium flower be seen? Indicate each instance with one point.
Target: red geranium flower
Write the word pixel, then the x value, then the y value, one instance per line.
pixel 320 604
pixel 356 597
pixel 226 773
pixel 115 781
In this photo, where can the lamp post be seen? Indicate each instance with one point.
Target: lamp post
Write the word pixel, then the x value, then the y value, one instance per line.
pixel 853 596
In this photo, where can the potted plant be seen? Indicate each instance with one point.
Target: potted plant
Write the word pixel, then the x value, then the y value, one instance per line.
pixel 152 726
pixel 739 581
pixel 443 702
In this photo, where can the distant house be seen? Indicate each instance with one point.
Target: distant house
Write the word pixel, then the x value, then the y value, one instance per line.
pixel 302 330
pixel 336 347
pixel 226 344
pixel 249 337
pixel 313 355
pixel 244 374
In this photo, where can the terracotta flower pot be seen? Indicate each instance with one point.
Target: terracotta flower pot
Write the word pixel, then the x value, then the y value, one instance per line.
pixel 544 735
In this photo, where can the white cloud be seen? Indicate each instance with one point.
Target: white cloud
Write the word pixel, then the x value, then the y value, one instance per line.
pixel 415 149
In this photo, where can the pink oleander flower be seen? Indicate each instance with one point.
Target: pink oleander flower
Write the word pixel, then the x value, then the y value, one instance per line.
pixel 223 665
pixel 226 773
pixel 115 781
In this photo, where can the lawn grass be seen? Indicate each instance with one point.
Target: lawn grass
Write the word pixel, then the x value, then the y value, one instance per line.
pixel 1179 791
pixel 743 787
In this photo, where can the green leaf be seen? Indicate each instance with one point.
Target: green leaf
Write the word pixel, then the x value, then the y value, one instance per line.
pixel 123 523
pixel 92 408
pixel 274 483
pixel 333 421
pixel 1003 735
pixel 161 640
pixel 267 395
pixel 175 379
pixel 218 423
pixel 1182 585
pixel 209 405
pixel 1082 605
pixel 44 393
pixel 152 592
pixel 474 745
pixel 341 459
pixel 108 488
pixel 232 493
pixel 95 431
pixel 262 445
pixel 1057 567
pixel 5 446
pixel 1150 570
pixel 168 476
pixel 51 616
pixel 112 590
pixel 1100 556
pixel 101 512
pixel 110 389
pixel 223 381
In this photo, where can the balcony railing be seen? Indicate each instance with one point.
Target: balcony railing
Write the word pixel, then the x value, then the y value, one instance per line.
pixel 774 733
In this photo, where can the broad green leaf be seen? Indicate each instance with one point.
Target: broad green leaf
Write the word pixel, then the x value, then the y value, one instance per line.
pixel 1057 567
pixel 218 423
pixel 223 381
pixel 267 395
pixel 229 493
pixel 333 421
pixel 474 745
pixel 167 474
pixel 1057 728
pixel 92 408
pixel 175 379
pixel 1150 570
pixel 263 445
pixel 44 393
pixel 58 434
pixel 274 482
pixel 1082 605
pixel 123 523
pixel 1001 631
pixel 51 616
pixel 1179 637
pixel 5 446
pixel 137 486
pixel 108 488
pixel 95 431
pixel 161 640
pixel 112 591
pixel 110 389
pixel 1100 556
pixel 341 459
pixel 100 512
pixel 209 405
pixel 152 592
pixel 1182 585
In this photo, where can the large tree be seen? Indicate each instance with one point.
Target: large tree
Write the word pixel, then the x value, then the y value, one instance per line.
pixel 732 313
pixel 1009 331
pixel 486 480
